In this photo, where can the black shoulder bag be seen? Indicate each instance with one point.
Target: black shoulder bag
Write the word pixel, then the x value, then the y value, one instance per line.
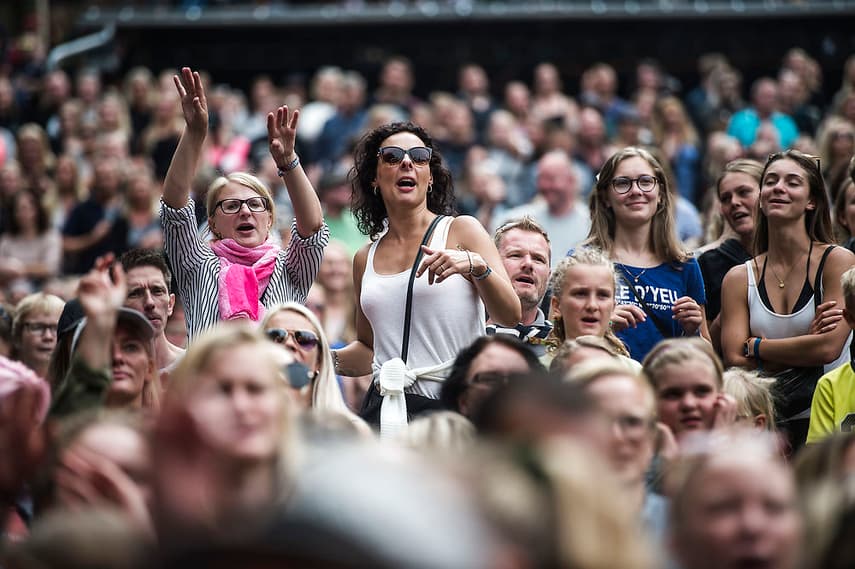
pixel 416 404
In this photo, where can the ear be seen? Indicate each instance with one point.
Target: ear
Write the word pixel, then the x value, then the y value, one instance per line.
pixel 170 306
pixel 849 316
pixel 553 306
pixel 811 205
pixel 760 421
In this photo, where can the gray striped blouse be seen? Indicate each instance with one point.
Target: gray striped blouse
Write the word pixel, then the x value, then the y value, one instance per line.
pixel 197 268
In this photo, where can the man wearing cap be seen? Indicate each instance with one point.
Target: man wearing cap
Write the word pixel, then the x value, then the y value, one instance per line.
pixel 523 246
pixel 149 293
pixel 113 360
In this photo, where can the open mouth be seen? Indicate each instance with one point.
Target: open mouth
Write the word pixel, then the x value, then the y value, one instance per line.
pixel 691 422
pixel 590 320
pixel 245 227
pixel 740 215
pixel 525 279
pixel 778 201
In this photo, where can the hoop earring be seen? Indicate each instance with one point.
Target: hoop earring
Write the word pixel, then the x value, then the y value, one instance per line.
pixel 376 191
pixel 430 188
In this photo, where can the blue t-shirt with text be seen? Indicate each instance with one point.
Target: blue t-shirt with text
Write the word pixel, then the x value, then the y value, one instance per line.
pixel 659 287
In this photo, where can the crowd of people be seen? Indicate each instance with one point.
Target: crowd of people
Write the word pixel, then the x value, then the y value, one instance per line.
pixel 337 328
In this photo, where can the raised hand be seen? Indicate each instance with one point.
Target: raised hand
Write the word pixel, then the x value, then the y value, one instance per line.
pixel 99 295
pixel 194 105
pixel 282 135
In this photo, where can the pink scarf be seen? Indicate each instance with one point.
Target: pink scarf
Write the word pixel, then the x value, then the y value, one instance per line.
pixel 244 274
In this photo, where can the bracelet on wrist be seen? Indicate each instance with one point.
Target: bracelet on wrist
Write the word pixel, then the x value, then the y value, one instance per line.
pixel 280 171
pixel 469 256
pixel 483 275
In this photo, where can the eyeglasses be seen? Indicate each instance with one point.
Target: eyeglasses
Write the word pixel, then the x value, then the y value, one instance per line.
pixel 633 426
pixel 306 339
pixel 489 378
pixel 232 205
pixel 39 328
pixel 645 183
pixel 395 154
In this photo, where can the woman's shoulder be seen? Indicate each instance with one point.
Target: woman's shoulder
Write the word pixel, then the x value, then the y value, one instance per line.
pixel 736 275
pixel 838 260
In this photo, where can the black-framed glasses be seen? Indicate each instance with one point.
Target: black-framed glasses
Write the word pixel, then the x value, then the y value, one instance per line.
pixel 232 205
pixel 395 154
pixel 39 328
pixel 306 339
pixel 645 183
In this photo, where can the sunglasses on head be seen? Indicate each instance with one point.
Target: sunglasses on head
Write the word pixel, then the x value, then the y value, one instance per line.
pixel 395 154
pixel 306 339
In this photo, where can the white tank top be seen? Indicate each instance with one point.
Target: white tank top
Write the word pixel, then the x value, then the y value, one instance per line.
pixel 446 317
pixel 766 323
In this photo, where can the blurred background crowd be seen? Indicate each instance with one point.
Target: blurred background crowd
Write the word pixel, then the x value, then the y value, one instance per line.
pixel 571 473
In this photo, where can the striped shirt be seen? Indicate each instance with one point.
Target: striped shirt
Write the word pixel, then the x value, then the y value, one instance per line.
pixel 197 268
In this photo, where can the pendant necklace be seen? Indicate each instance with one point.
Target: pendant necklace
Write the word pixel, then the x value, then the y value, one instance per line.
pixel 782 283
pixel 634 277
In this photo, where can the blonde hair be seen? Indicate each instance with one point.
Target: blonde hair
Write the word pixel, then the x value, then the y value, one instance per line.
pixel 243 179
pixel 524 223
pixel 687 129
pixel 326 394
pixel 569 347
pixel 588 372
pixel 442 431
pixel 847 282
pixel 36 303
pixel 677 351
pixel 582 256
pixel 662 239
pixel 752 393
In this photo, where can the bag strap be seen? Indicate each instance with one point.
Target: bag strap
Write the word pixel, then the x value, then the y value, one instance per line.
pixel 405 344
pixel 817 284
pixel 666 333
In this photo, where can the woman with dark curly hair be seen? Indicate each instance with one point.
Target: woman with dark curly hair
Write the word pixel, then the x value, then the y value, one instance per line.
pixel 403 196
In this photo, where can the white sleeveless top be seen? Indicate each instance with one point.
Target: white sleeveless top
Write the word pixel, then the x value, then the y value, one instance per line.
pixel 766 323
pixel 446 317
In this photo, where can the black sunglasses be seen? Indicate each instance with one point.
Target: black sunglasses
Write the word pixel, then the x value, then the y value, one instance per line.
pixel 395 154
pixel 306 339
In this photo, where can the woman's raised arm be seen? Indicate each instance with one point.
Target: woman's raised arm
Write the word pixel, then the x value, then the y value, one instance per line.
pixel 281 136
pixel 182 169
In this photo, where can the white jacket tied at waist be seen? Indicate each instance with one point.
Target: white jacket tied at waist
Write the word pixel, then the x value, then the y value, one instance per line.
pixel 392 379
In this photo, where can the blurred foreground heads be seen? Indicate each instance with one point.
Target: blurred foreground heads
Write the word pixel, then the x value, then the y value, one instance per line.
pixel 734 503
